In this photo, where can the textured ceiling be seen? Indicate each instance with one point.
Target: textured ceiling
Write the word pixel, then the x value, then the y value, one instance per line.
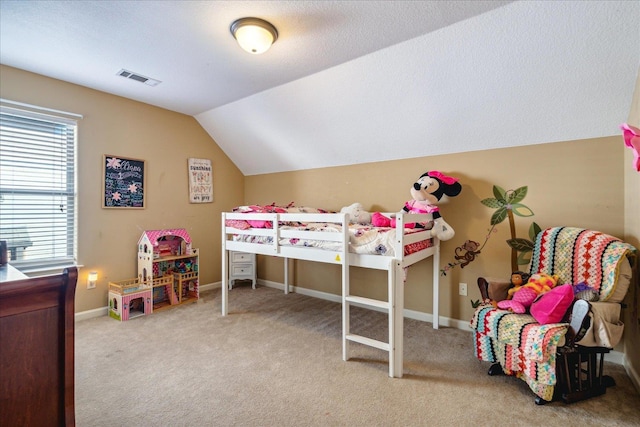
pixel 349 81
pixel 188 46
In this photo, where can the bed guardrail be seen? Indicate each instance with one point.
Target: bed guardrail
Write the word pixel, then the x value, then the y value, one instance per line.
pixel 275 233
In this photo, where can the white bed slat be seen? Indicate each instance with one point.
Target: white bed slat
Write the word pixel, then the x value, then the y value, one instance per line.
pixel 252 216
pixel 418 236
pixel 306 218
pixel 368 341
pixel 376 262
pixel 370 302
pixel 330 236
pixel 418 256
pixel 255 248
pixel 251 231
pixel 311 254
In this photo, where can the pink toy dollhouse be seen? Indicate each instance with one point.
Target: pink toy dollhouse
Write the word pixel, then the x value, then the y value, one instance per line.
pixel 129 299
pixel 168 253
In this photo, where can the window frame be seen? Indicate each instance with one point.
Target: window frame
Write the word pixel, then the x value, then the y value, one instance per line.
pixel 66 192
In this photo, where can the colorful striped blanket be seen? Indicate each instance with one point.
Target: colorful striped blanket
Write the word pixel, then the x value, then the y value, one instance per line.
pixel 525 348
pixel 577 255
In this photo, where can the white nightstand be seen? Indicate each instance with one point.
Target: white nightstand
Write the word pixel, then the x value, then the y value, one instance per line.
pixel 242 266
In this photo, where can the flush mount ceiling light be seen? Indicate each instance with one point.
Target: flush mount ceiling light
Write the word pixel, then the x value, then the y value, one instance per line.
pixel 254 35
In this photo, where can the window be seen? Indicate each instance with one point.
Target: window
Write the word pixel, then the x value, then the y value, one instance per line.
pixel 37 188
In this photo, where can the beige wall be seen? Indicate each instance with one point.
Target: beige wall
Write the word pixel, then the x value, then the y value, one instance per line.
pixel 632 235
pixel 107 238
pixel 566 185
pixel 587 183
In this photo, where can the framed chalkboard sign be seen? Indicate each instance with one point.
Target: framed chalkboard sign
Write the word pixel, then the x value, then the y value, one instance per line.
pixel 123 184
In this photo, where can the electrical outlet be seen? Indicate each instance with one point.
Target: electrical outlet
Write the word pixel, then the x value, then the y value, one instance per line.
pixel 462 289
pixel 91 285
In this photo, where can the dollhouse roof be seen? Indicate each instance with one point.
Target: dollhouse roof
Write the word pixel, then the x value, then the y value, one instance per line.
pixel 154 235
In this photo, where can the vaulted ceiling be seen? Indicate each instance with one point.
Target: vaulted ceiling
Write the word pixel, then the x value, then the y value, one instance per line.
pixel 349 81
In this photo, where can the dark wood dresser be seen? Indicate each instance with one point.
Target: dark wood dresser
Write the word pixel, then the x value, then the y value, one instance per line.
pixel 37 349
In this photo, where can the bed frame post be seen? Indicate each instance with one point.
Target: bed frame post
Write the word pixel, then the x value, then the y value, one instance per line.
pixel 224 286
pixel 346 290
pixel 396 319
pixel 436 283
pixel 345 321
pixel 286 275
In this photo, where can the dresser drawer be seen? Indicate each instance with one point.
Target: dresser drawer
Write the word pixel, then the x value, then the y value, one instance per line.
pixel 242 270
pixel 241 257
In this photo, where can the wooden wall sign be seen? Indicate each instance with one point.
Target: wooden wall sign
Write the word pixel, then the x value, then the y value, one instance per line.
pixel 200 181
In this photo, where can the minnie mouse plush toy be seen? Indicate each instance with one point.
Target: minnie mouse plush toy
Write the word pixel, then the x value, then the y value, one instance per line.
pixel 426 192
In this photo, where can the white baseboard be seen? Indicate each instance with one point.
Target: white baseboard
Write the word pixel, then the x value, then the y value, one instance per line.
pixel 90 314
pixel 613 357
pixel 616 357
pixel 633 374
pixel 210 286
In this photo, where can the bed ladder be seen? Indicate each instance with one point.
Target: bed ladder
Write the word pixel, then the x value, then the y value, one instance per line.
pixel 394 308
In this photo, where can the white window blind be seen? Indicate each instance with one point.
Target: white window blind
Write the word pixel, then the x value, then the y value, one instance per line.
pixel 37 188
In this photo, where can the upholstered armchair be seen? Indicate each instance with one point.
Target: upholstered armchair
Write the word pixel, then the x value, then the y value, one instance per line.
pixel 561 360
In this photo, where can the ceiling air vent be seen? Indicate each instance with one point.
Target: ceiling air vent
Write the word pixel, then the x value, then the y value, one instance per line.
pixel 137 77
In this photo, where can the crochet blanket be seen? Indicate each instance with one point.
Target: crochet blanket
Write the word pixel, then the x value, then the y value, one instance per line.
pixel 577 255
pixel 523 347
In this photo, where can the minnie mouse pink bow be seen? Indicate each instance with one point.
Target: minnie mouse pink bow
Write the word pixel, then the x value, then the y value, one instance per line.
pixel 442 177
pixel 631 137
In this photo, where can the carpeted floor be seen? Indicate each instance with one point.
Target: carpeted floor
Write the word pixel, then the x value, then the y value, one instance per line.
pixel 276 361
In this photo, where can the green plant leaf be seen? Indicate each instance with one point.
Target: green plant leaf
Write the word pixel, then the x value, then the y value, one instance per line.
pixel 491 203
pixel 499 193
pixel 524 258
pixel 518 194
pixel 498 216
pixel 475 303
pixel 521 210
pixel 520 244
pixel 534 230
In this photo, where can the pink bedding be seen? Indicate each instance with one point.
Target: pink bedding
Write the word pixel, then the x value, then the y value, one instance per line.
pixel 363 239
pixel 244 225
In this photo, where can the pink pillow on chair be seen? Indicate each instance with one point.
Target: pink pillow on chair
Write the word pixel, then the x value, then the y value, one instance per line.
pixel 551 306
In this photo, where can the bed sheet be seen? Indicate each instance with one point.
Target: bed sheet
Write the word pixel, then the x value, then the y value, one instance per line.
pixel 363 239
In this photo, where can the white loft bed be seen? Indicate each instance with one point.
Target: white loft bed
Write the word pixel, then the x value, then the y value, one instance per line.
pixel 339 254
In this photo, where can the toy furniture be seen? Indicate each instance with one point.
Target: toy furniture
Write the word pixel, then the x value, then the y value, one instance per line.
pixel 242 266
pixel 168 253
pixel 129 299
pixel 37 348
pixel 562 360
